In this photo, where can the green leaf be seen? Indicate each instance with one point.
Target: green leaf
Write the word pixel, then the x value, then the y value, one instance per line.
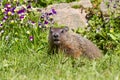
pixel 112 36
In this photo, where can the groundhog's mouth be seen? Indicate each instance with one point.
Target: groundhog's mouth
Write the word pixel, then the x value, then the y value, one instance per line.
pixel 56 41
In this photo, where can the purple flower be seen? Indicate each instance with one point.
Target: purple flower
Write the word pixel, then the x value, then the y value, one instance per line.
pixel 53 11
pixel 21 11
pixel 32 22
pixel 29 6
pixel 9 10
pixel 31 38
pixel 45 22
pixel 12 9
pixel 5 18
pixel 1 25
pixel 22 17
pixel 50 13
pixel 7 6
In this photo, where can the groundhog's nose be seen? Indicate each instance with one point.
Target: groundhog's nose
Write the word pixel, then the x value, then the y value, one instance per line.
pixel 56 35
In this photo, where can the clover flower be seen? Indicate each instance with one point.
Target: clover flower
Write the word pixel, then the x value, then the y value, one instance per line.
pixel 31 38
pixel 7 38
pixel 2 31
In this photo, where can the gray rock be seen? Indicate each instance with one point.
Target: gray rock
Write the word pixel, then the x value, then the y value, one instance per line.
pixel 68 16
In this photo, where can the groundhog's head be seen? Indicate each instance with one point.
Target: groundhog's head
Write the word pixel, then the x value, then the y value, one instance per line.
pixel 56 34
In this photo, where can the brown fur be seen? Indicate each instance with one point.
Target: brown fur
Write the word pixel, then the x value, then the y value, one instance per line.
pixel 71 44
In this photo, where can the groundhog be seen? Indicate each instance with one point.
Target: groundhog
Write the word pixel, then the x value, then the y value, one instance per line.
pixel 72 44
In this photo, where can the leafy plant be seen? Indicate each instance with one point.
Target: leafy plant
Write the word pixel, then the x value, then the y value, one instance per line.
pixel 24 22
pixel 104 30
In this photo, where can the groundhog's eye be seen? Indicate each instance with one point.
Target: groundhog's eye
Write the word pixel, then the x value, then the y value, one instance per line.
pixel 62 31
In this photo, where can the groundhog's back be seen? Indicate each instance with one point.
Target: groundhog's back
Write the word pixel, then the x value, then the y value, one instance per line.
pixel 76 45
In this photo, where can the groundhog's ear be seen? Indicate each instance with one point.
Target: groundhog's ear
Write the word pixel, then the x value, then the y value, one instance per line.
pixel 66 28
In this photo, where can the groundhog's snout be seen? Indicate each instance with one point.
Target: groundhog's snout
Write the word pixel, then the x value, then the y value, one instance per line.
pixel 56 35
pixel 56 38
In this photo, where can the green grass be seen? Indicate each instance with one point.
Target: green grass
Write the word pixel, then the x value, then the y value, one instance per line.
pixel 23 61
